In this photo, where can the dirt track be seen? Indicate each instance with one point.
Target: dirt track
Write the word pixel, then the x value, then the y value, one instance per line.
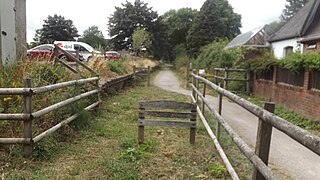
pixel 286 154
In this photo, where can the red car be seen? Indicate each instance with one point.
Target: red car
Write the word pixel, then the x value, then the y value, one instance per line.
pixel 46 52
pixel 112 55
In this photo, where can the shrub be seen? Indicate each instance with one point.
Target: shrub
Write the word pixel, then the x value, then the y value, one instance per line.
pixel 214 55
pixel 117 67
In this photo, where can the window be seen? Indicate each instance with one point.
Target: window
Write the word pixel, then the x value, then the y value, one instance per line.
pixel 288 50
pixel 312 46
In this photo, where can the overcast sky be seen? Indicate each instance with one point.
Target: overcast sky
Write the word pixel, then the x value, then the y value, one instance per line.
pixel 84 14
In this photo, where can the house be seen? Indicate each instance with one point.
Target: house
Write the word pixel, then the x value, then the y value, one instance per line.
pixel 254 38
pixel 299 34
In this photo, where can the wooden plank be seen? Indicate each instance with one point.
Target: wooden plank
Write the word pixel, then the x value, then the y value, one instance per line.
pixel 263 141
pixel 163 123
pixel 193 132
pixel 141 127
pixel 168 114
pixel 167 105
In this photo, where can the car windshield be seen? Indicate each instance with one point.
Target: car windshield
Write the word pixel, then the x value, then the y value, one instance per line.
pixel 88 47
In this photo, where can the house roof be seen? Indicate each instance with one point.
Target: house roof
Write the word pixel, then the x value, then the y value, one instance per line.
pixel 244 39
pixel 299 24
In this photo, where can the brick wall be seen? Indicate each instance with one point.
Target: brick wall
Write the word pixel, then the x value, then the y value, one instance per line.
pixel 300 99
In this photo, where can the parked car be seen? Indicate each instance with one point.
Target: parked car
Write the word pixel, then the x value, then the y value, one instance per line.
pixel 112 55
pixel 46 52
pixel 84 49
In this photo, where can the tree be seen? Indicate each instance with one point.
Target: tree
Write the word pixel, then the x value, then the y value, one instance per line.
pixel 126 19
pixel 140 40
pixel 178 23
pixel 216 19
pixel 57 28
pixel 94 37
pixel 291 8
pixel 36 39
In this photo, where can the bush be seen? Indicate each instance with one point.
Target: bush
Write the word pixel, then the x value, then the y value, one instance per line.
pixel 117 67
pixel 214 55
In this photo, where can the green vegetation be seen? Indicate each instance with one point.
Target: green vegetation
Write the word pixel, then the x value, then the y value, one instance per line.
pixel 215 20
pixel 117 66
pixel 94 36
pixel 289 115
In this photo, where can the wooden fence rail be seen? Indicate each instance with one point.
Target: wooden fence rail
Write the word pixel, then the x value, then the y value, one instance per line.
pixel 259 158
pixel 226 78
pixel 28 116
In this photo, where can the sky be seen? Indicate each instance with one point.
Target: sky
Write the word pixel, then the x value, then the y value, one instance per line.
pixel 84 14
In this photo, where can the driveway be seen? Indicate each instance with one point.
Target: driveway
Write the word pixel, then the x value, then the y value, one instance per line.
pixel 286 154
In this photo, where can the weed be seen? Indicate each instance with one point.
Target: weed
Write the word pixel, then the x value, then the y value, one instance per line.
pixel 217 170
pixel 45 149
pixel 127 142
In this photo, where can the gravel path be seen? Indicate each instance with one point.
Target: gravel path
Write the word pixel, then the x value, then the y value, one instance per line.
pixel 286 154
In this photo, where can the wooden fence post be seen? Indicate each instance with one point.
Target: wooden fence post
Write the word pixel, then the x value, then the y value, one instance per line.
pixel 263 141
pixel 218 129
pixel 194 84
pixel 248 82
pixel 193 129
pixel 134 70
pixel 215 75
pixel 141 127
pixel 187 74
pixel 27 124
pixel 56 54
pixel 149 74
pixel 225 81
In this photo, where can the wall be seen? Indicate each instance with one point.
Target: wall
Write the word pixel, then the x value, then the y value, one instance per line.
pixel 278 47
pixel 13 42
pixel 21 30
pixel 8 34
pixel 300 99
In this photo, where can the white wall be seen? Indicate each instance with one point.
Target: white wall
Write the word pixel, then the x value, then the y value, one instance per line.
pixel 7 32
pixel 279 47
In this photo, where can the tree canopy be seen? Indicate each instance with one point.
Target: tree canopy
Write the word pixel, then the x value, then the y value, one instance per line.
pixel 94 37
pixel 216 19
pixel 291 8
pixel 140 40
pixel 178 23
pixel 56 28
pixel 126 19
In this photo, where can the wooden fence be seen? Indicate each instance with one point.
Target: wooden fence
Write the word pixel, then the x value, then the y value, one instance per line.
pixel 223 76
pixel 143 72
pixel 267 120
pixel 28 92
pixel 28 116
pixel 228 76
